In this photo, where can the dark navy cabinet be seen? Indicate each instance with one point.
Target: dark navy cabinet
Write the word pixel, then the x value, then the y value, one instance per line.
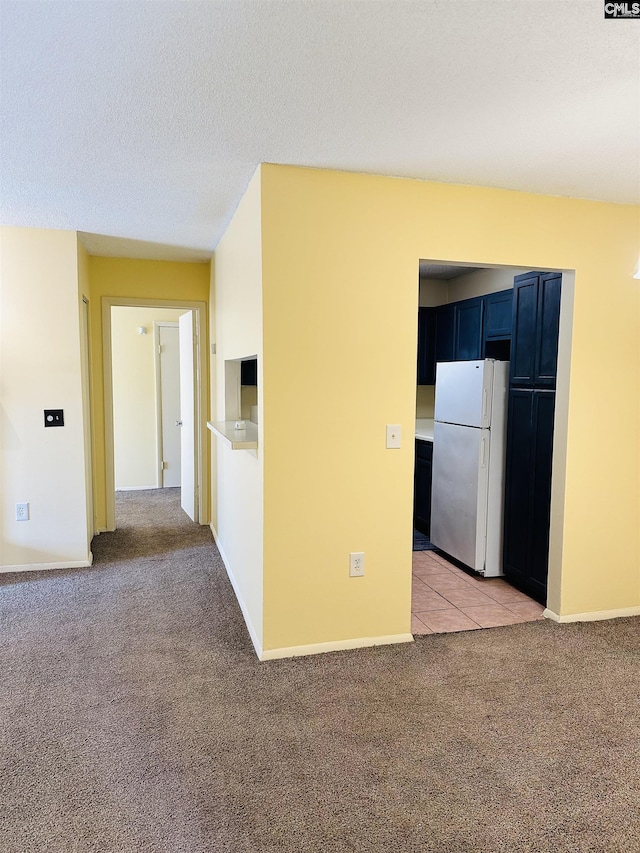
pixel 445 333
pixel 422 487
pixel 536 319
pixel 529 455
pixel 249 372
pixel 426 346
pixel 547 328
pixel 468 329
pixel 528 490
pixel 497 315
pixel 464 331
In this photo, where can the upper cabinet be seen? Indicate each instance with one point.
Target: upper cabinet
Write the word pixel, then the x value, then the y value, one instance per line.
pixel 249 372
pixel 426 346
pixel 535 325
pixel 445 333
pixel 468 326
pixel 497 315
pixel 463 331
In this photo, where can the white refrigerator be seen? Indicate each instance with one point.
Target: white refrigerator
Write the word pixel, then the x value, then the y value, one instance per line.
pixel 469 438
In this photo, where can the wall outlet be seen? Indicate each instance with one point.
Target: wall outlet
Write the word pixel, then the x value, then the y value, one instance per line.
pixel 356 564
pixel 22 512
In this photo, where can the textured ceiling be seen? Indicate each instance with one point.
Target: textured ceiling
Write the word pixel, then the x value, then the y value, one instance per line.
pixel 146 120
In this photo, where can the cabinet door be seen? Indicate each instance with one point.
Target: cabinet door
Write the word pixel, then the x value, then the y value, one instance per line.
pixel 528 490
pixel 249 372
pixel 523 331
pixel 422 487
pixel 445 316
pixel 517 487
pixel 426 346
pixel 547 328
pixel 497 314
pixel 468 330
pixel 542 431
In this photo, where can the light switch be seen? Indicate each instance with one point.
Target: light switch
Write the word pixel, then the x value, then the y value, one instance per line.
pixel 53 417
pixel 394 436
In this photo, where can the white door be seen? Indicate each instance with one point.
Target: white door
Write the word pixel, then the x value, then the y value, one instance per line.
pixel 169 404
pixel 187 408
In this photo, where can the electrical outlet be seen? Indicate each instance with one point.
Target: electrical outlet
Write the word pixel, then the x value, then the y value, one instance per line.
pixel 356 564
pixel 22 512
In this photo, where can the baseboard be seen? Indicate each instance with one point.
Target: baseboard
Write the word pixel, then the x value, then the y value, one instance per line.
pixel 592 616
pixel 253 634
pixel 137 488
pixel 44 567
pixel 335 646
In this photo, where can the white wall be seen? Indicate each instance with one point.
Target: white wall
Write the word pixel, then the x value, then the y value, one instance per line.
pixel 134 394
pixel 237 475
pixel 482 282
pixel 40 368
pixel 435 291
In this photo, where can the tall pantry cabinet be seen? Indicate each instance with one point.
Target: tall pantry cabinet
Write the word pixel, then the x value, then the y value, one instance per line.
pixel 532 383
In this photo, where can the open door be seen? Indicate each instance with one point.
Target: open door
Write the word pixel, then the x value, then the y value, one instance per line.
pixel 168 404
pixel 187 419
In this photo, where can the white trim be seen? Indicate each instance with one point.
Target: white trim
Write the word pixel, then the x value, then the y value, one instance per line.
pixel 41 567
pixel 253 634
pixel 592 616
pixel 313 648
pixel 335 646
pixel 137 488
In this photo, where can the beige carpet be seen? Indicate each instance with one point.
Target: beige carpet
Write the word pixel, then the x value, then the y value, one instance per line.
pixel 135 717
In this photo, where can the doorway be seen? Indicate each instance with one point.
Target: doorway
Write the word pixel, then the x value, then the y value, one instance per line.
pixel 467 302
pixel 192 403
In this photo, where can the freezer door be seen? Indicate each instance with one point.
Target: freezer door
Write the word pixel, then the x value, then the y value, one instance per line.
pixel 463 392
pixel 459 492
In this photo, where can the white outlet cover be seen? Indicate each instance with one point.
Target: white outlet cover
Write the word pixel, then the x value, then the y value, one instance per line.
pixel 356 564
pixel 394 436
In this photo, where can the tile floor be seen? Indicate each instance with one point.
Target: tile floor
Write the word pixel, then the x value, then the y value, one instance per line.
pixel 444 598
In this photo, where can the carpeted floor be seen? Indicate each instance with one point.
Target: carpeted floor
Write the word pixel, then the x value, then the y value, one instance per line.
pixel 135 717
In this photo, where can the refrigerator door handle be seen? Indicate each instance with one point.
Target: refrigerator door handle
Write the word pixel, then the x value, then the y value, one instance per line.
pixel 485 403
pixel 483 455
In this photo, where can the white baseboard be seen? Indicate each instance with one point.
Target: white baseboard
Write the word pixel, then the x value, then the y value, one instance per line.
pixel 297 651
pixel 136 488
pixel 335 646
pixel 592 616
pixel 257 645
pixel 43 567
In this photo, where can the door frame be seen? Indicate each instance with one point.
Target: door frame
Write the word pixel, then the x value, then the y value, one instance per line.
pixel 199 310
pixel 157 325
pixel 561 417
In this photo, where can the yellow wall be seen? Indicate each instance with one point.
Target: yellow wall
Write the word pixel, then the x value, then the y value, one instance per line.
pixel 40 353
pixel 130 278
pixel 237 478
pixel 340 299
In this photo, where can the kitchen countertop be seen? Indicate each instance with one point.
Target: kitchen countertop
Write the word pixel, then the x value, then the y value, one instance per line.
pixel 424 429
pixel 239 439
